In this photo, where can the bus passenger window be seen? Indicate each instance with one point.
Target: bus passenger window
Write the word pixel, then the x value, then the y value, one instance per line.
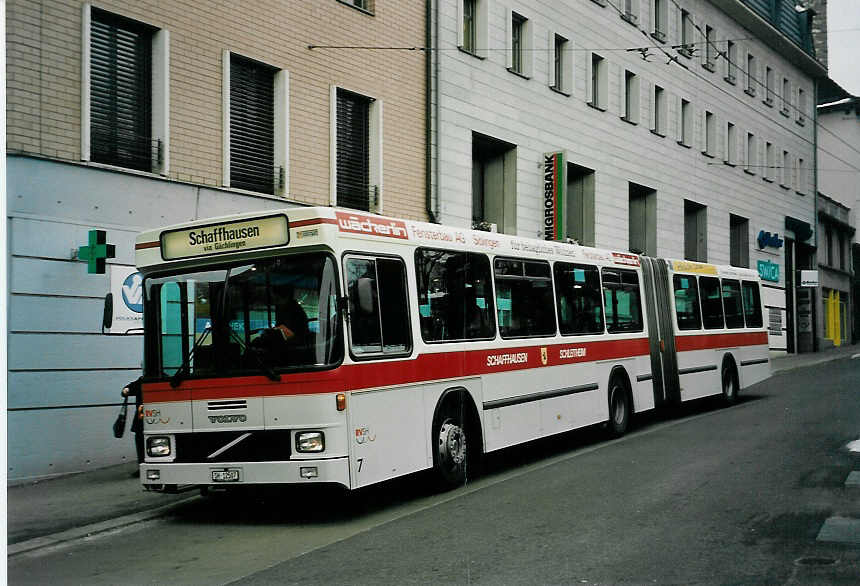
pixel 378 306
pixel 579 306
pixel 687 302
pixel 732 303
pixel 455 300
pixel 712 303
pixel 524 298
pixel 752 304
pixel 622 301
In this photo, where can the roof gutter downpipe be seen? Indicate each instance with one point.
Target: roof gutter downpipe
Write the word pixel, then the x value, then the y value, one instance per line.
pixel 431 69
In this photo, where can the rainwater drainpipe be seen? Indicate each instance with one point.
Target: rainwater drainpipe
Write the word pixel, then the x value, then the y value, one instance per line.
pixel 431 66
pixel 815 211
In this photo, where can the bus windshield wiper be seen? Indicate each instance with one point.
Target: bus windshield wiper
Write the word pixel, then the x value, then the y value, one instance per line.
pixel 178 376
pixel 264 366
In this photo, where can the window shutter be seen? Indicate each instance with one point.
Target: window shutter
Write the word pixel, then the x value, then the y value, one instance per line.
pixel 353 154
pixel 650 105
pixel 120 92
pixel 550 44
pixel 252 125
pixel 509 39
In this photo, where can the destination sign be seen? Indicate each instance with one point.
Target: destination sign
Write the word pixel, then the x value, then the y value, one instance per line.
pixel 227 237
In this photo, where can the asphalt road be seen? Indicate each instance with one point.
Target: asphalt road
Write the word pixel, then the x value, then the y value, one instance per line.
pixel 709 495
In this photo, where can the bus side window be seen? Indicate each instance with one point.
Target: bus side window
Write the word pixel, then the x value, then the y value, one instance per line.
pixel 712 303
pixel 622 301
pixel 732 303
pixel 455 300
pixel 752 304
pixel 378 306
pixel 579 306
pixel 524 298
pixel 687 302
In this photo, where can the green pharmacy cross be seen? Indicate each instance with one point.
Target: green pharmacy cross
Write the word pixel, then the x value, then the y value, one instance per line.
pixel 97 252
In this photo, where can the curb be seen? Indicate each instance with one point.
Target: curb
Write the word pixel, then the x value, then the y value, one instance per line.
pixel 812 362
pixel 55 539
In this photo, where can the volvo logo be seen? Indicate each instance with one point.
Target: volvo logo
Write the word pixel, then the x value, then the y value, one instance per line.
pixel 228 418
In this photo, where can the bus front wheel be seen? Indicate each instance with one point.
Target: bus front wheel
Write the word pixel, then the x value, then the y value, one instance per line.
pixel 451 455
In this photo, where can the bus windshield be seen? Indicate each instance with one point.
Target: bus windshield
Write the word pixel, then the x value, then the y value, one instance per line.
pixel 272 314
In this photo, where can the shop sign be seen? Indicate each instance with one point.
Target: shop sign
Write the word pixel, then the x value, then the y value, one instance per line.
pixel 768 271
pixel 767 239
pixel 554 186
pixel 809 278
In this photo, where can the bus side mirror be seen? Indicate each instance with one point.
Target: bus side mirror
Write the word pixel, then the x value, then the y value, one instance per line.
pixel 107 316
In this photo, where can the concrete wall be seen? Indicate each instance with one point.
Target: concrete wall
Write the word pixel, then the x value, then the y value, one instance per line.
pixel 481 95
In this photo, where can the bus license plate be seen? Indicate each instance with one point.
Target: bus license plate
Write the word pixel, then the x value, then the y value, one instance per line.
pixel 228 475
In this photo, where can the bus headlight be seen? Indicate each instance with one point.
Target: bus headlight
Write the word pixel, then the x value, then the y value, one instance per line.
pixel 310 441
pixel 158 446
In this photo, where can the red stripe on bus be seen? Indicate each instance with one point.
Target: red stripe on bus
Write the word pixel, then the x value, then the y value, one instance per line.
pixel 708 341
pixel 312 222
pixel 143 245
pixel 421 369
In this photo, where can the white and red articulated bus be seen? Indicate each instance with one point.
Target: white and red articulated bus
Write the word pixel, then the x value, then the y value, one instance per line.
pixel 319 345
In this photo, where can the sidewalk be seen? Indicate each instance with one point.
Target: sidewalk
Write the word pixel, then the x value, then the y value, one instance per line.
pixel 52 511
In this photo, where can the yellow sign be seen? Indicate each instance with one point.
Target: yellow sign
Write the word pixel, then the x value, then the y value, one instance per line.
pixel 688 266
pixel 227 237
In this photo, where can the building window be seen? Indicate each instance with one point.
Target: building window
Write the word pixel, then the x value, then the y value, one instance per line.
pixel 598 85
pixel 770 163
pixel 560 68
pixel 731 61
pixel 631 11
pixel 710 49
pixel 686 124
pixel 751 75
pixel 801 106
pixel 494 184
pixel 695 231
pixel 752 160
pixel 252 126
pixel 710 134
pixel 660 17
pixel 642 220
pixel 687 35
pixel 739 241
pixel 768 86
pixel 731 157
pixel 801 177
pixel 786 96
pixel 630 102
pixel 520 52
pixel 472 32
pixel 659 111
pixel 125 119
pixel 579 207
pixel 785 180
pixel 357 142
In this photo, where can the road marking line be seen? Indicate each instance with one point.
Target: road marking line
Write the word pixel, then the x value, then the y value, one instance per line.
pixel 840 530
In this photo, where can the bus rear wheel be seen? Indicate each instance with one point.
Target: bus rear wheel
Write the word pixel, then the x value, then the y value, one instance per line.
pixel 619 407
pixel 730 383
pixel 451 452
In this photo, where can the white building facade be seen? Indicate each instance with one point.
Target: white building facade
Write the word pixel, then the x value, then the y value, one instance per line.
pixel 686 130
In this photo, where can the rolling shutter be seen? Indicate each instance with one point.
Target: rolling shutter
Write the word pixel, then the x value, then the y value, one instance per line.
pixel 120 92
pixel 252 125
pixel 353 156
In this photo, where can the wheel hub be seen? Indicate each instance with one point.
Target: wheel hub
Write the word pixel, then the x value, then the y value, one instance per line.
pixel 452 443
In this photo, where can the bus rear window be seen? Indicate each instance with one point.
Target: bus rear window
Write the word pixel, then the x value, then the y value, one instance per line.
pixel 455 298
pixel 752 304
pixel 687 302
pixel 712 303
pixel 732 303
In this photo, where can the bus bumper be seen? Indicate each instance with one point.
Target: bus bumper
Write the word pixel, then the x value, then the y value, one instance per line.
pixel 226 474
